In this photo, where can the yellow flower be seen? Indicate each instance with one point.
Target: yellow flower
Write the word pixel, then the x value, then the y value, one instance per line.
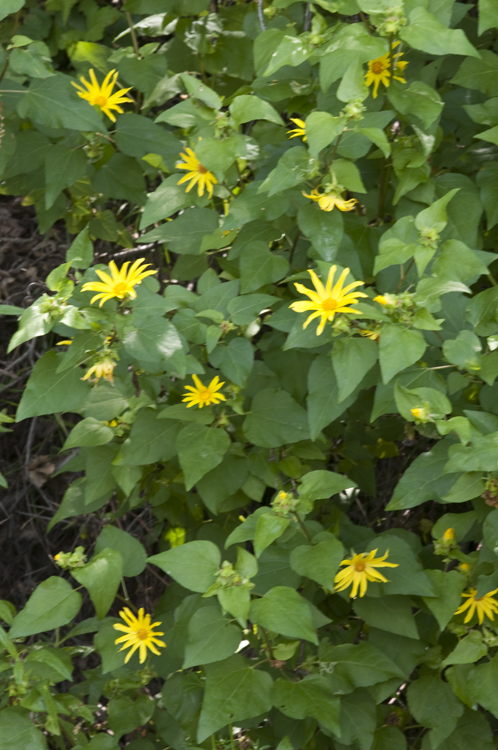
pixel 139 634
pixel 380 299
pixel 102 96
pixel 175 536
pixel 196 174
pixel 120 283
pixel 485 605
pixel 102 369
pixel 56 557
pixel 465 567
pixel 360 569
pixel 300 130
pixel 373 335
pixel 65 342
pixel 449 534
pixel 203 395
pixel 379 70
pixel 327 201
pixel 327 300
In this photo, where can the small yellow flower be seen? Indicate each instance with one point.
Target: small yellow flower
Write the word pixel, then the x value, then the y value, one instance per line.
pixel 360 569
pixel 449 535
pixel 120 284
pixel 103 369
pixel 327 201
pixel 327 300
pixel 197 174
pixel 485 605
pixel 373 335
pixel 65 342
pixel 175 536
pixel 380 299
pixel 379 70
pixel 203 395
pixel 465 567
pixel 57 556
pixel 139 634
pixel 102 96
pixel 300 130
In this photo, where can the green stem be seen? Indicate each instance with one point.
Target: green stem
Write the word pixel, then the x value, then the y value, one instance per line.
pixel 303 528
pixel 232 742
pixel 134 39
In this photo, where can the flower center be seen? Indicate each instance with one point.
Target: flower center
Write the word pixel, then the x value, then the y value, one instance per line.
pixel 100 100
pixel 120 289
pixel 378 68
pixel 330 304
pixel 142 634
pixel 205 394
pixel 360 566
pixel 201 169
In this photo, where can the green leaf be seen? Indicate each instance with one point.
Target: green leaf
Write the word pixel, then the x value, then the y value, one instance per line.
pixel 292 50
pixel 80 252
pixel 352 358
pixel 184 235
pixel 253 205
pixel 150 440
pixel 126 713
pixel 487 179
pixel 378 137
pixel 324 228
pixel 131 550
pixel 98 464
pixel 389 738
pixel 423 479
pixel 321 485
pixel 50 392
pixel 237 602
pixel 259 266
pixel 359 665
pixel 275 419
pixel 268 528
pixel 10 6
pixel 323 396
pixel 293 168
pixel 218 156
pixel 448 587
pixel 137 136
pixel 88 432
pixel 434 705
pixel 391 613
pixel 53 102
pixel 155 341
pixel 481 682
pixel 435 217
pixel 479 73
pixel 318 562
pixel 16 728
pixel 284 611
pixel 472 732
pixel 488 15
pixel 200 449
pixel 52 604
pixel 63 167
pixel 418 99
pixel 312 696
pixel 243 310
pixel 210 638
pixel 408 577
pixel 321 129
pixel 426 33
pixel 457 261
pixel 121 178
pixel 464 350
pixel 352 85
pixel 166 200
pixel 398 349
pixel 199 90
pixel 194 565
pixel 101 578
pixel 467 651
pixel 234 692
pixel 246 107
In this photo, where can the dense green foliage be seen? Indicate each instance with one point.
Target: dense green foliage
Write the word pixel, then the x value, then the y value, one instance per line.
pixel 252 496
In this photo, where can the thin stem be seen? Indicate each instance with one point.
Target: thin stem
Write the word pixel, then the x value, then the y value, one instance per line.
pixel 232 743
pixel 125 590
pixel 267 641
pixel 303 528
pixel 133 35
pixel 404 274
pixel 260 15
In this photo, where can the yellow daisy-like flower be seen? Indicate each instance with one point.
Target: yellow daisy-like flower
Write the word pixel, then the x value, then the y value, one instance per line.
pixel 485 605
pixel 327 201
pixel 327 300
pixel 103 369
pixel 197 174
pixel 379 70
pixel 120 284
pixel 139 634
pixel 360 569
pixel 102 96
pixel 203 395
pixel 300 130
pixel 380 299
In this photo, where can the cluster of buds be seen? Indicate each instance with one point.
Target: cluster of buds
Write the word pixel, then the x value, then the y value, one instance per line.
pixel 400 307
pixel 421 414
pixel 354 110
pixel 228 578
pixel 284 503
pixel 71 560
pixel 391 21
pixel 428 237
pixel 446 544
pixel 490 493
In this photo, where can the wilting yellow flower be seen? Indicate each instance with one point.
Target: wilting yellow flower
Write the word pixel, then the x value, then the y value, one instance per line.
pixel 120 284
pixel 373 335
pixel 327 300
pixel 197 174
pixel 175 536
pixel 203 395
pixel 139 634
pixel 327 201
pixel 102 96
pixel 380 299
pixel 379 70
pixel 485 605
pixel 360 569
pixel 65 342
pixel 300 130
pixel 420 413
pixel 103 369
pixel 449 535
